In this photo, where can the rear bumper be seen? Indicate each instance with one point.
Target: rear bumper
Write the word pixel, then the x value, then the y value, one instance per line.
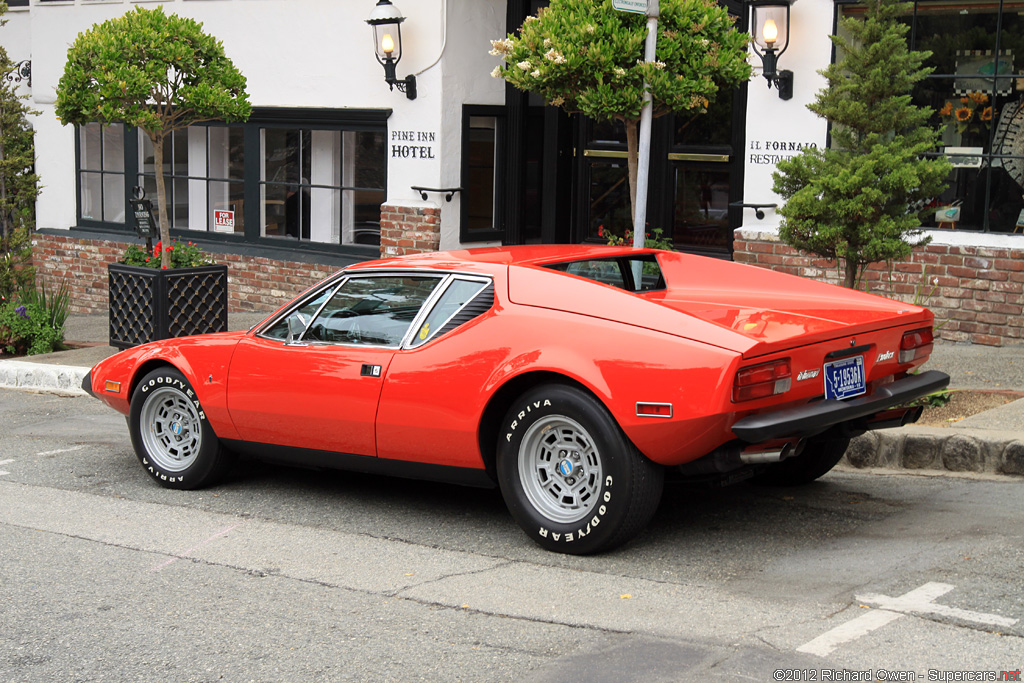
pixel 814 418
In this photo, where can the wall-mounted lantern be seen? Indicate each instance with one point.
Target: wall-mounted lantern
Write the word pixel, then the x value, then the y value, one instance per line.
pixel 386 21
pixel 769 24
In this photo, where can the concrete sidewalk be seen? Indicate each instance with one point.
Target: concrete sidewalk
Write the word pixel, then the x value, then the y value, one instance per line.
pixel 989 442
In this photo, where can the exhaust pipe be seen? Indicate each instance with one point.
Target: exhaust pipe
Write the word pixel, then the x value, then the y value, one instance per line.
pixel 771 451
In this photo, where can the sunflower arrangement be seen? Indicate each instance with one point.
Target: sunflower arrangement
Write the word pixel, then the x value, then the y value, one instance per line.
pixel 972 114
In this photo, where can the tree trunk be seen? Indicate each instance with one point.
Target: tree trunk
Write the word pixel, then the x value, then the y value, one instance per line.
pixel 161 198
pixel 851 274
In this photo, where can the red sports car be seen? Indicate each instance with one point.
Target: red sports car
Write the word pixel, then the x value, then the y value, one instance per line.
pixel 572 377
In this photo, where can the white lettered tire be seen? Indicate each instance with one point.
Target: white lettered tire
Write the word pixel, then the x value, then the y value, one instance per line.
pixel 569 476
pixel 171 435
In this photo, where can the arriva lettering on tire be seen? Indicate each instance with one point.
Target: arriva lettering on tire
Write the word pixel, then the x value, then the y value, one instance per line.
pixel 523 413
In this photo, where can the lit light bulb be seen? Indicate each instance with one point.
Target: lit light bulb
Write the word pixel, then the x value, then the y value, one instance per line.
pixel 387 43
pixel 770 32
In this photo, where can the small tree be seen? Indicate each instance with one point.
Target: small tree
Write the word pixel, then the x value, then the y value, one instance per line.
pixel 587 57
pixel 19 185
pixel 853 202
pixel 159 72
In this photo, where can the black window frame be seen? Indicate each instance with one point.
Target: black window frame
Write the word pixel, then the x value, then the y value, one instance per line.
pixel 497 231
pixel 369 120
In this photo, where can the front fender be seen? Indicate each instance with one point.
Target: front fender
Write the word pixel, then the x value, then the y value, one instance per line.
pixel 203 359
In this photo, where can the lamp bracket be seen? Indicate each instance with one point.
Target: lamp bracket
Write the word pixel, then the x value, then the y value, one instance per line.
pixel 406 85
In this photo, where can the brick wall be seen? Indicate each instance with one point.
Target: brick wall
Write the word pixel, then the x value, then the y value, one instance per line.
pixel 975 292
pixel 409 229
pixel 254 283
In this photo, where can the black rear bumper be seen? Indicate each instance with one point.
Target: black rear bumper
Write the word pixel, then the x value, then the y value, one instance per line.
pixel 815 418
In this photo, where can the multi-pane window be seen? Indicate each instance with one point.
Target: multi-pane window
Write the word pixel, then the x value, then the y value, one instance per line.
pixel 977 97
pixel 322 185
pixel 204 169
pixel 101 172
pixel 268 179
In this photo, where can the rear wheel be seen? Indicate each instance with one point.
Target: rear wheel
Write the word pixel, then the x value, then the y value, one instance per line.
pixel 819 456
pixel 570 477
pixel 171 435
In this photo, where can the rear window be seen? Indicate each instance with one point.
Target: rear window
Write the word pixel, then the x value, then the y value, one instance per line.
pixel 640 274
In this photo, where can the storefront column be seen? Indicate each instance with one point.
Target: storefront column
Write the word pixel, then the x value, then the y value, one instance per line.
pixel 409 228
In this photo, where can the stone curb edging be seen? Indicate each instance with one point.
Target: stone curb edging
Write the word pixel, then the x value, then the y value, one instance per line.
pixel 62 379
pixel 941 449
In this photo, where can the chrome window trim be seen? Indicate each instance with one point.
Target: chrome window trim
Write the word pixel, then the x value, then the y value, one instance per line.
pixel 483 280
pixel 338 280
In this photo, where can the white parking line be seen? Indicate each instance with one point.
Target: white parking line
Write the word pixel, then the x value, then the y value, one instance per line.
pixel 917 601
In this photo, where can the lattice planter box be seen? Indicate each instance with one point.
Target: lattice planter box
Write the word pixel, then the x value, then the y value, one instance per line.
pixel 148 304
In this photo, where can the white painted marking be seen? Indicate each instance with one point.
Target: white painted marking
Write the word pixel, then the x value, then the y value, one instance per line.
pixel 184 555
pixel 6 462
pixel 4 473
pixel 62 450
pixel 917 601
pixel 902 604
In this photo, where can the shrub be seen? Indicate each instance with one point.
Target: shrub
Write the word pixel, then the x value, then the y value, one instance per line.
pixel 32 322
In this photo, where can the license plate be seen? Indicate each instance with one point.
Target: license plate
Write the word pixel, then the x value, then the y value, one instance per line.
pixel 845 378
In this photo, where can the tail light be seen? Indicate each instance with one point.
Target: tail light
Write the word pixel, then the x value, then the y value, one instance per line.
pixel 761 381
pixel 916 344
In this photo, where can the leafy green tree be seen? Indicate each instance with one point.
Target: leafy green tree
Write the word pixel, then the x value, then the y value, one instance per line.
pixel 19 185
pixel 156 71
pixel 854 201
pixel 587 57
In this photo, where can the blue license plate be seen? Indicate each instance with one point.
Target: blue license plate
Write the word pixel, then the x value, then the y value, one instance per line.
pixel 845 378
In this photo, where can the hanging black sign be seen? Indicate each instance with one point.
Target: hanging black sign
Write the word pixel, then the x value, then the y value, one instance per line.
pixel 145 224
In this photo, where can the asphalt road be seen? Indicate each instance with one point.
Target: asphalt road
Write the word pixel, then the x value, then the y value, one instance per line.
pixel 292 575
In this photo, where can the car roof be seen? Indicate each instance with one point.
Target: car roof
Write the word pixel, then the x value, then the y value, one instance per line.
pixel 483 259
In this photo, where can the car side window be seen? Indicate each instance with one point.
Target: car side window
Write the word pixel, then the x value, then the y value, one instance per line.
pixel 298 320
pixel 372 311
pixel 641 274
pixel 454 299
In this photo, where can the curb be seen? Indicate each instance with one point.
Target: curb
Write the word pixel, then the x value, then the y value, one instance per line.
pixel 905 448
pixel 925 448
pixel 65 380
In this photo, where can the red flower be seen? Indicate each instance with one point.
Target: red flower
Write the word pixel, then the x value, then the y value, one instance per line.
pixel 147 259
pixel 600 230
pixel 163 267
pixel 170 249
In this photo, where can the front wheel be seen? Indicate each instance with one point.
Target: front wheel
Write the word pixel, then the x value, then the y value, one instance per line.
pixel 569 476
pixel 171 435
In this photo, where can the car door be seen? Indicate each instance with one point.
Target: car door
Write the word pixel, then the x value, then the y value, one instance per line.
pixel 312 378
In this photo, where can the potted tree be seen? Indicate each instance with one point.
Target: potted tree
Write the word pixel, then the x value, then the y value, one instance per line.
pixel 160 73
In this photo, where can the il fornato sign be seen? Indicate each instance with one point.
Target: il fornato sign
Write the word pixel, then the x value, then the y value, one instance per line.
pixel 638 6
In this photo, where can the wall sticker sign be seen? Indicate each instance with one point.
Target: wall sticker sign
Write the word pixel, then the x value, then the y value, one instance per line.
pixel 412 144
pixel 773 151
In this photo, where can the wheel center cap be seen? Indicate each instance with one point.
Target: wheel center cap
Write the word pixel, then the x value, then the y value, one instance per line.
pixel 566 467
pixel 176 428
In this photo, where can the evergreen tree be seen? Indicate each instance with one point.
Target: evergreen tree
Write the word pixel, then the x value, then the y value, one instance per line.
pixel 157 71
pixel 854 202
pixel 585 56
pixel 19 184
